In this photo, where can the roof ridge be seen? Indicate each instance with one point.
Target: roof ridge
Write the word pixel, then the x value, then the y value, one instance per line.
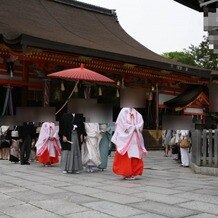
pixel 86 6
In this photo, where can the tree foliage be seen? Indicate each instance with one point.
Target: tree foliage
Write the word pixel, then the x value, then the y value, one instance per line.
pixel 180 56
pixel 199 56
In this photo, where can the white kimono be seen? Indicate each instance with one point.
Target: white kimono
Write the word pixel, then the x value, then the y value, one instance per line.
pixel 128 133
pixel 48 141
pixel 90 147
pixel 184 151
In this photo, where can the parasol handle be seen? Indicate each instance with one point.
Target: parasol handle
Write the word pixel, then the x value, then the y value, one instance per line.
pixel 68 98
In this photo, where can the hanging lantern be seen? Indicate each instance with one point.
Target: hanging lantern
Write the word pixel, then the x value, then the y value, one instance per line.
pixel 57 95
pixel 87 92
pixel 150 96
pixel 117 94
pixel 99 91
pixel 62 86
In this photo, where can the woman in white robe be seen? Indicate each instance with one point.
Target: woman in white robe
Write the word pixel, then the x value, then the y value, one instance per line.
pixel 130 149
pixel 48 148
pixel 184 151
pixel 90 147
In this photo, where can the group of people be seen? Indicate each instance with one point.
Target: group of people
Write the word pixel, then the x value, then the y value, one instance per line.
pixel 172 142
pixel 76 144
pixel 84 145
pixel 87 144
pixel 16 144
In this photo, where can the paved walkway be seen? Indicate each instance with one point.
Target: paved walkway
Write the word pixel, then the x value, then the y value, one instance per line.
pixel 164 190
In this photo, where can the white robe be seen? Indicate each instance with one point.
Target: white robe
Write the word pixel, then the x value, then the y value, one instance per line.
pixel 128 133
pixel 184 151
pixel 90 147
pixel 48 139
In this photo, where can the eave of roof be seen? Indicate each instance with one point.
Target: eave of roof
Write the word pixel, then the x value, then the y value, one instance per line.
pixel 193 4
pixel 26 41
pixel 188 96
pixel 196 5
pixel 86 6
pixel 75 27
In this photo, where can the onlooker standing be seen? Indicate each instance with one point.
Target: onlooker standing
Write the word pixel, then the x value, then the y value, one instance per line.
pixel 184 134
pixel 177 147
pixel 166 143
pixel 4 142
pixel 15 146
pixel 26 133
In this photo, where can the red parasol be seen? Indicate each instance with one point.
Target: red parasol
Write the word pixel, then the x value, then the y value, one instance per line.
pixel 81 73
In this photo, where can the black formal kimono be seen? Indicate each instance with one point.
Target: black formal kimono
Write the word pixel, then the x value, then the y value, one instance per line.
pixel 66 125
pixel 26 133
pixel 72 127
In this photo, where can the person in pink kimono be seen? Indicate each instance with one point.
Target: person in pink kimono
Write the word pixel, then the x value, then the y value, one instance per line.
pixel 48 148
pixel 130 149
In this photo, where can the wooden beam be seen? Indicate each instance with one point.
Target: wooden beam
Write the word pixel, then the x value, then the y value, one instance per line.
pixel 20 83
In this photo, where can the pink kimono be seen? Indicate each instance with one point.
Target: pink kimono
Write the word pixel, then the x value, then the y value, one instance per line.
pixel 48 144
pixel 129 143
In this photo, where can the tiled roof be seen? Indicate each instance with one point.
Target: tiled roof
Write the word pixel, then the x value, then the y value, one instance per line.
pixel 188 96
pixel 79 28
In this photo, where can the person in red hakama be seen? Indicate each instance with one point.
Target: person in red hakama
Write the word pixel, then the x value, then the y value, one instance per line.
pixel 130 149
pixel 48 148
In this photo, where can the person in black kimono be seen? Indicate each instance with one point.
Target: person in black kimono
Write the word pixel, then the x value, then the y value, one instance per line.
pixel 26 133
pixel 72 133
pixel 15 146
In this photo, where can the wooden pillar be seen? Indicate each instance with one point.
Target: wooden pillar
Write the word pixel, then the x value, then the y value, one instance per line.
pixel 25 78
pixel 46 92
pixel 216 148
pixel 157 107
pixel 196 154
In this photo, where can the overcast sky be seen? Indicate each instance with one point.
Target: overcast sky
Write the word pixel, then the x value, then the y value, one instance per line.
pixel 160 25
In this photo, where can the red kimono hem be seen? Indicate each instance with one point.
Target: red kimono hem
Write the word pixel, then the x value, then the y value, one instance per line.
pixel 125 166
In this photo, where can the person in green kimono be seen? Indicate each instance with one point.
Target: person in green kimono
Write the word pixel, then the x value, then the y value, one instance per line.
pixel 104 145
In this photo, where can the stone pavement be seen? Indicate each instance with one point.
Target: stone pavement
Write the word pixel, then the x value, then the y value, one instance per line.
pixel 164 190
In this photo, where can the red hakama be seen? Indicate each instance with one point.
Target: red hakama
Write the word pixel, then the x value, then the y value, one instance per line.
pixel 46 159
pixel 125 166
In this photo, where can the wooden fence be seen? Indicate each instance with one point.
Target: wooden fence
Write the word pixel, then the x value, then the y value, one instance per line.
pixel 205 148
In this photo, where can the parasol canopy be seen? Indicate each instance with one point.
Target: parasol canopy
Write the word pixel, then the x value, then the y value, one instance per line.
pixel 81 74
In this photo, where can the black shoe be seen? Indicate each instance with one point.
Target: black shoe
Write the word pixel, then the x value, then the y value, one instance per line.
pixel 27 163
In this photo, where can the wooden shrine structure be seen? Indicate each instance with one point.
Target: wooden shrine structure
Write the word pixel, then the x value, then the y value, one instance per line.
pixel 41 37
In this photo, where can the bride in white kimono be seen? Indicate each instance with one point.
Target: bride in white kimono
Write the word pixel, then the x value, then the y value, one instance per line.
pixel 48 145
pixel 90 147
